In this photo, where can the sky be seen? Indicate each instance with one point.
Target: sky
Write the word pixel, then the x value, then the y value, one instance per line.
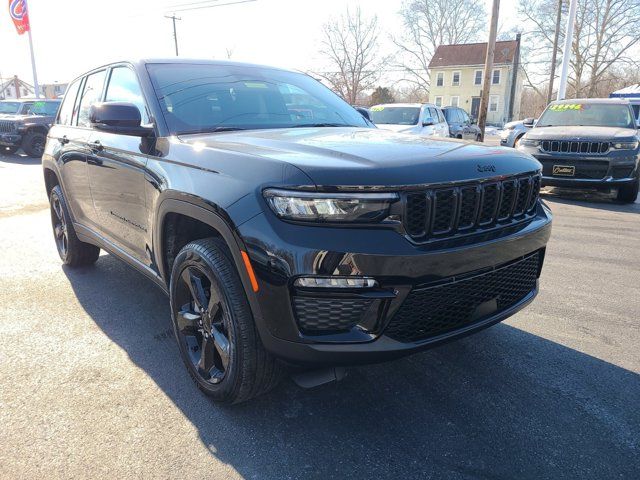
pixel 72 36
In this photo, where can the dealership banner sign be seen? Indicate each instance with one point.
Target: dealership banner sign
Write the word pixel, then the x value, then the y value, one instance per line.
pixel 19 15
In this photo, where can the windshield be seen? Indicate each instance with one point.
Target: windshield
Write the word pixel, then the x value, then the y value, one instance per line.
pixel 200 98
pixel 586 114
pixel 44 108
pixel 9 107
pixel 395 115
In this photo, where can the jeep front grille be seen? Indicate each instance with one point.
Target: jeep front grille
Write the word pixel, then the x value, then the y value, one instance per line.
pixel 444 212
pixel 7 127
pixel 564 146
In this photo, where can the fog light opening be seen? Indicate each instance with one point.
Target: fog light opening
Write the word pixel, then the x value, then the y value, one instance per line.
pixel 335 282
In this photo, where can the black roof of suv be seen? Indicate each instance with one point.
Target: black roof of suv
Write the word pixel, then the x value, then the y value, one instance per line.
pixel 282 224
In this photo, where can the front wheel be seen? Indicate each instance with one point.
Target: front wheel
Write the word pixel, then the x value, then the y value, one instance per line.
pixel 33 144
pixel 214 327
pixel 629 193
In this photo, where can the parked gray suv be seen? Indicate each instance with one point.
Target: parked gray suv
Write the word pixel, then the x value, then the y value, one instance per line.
pixel 25 125
pixel 592 143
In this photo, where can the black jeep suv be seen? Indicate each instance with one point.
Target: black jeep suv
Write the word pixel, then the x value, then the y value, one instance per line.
pixel 591 143
pixel 284 227
pixel 24 123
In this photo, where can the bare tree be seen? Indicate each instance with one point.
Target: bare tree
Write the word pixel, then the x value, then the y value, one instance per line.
pixel 430 23
pixel 350 44
pixel 605 37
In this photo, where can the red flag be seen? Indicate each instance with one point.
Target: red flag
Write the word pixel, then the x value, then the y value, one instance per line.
pixel 19 15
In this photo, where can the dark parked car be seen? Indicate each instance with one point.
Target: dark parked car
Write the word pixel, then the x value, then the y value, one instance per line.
pixel 460 124
pixel 27 127
pixel 282 226
pixel 591 143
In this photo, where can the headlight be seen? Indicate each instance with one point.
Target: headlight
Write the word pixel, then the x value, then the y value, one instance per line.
pixel 625 145
pixel 330 207
pixel 526 142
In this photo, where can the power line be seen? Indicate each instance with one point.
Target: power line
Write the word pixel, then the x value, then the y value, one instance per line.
pixel 211 5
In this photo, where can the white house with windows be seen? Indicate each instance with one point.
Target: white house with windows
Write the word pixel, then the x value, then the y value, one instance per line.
pixel 11 88
pixel 456 79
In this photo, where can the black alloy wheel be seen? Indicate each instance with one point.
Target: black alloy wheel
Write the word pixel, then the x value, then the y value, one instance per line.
pixel 203 324
pixel 60 229
pixel 214 325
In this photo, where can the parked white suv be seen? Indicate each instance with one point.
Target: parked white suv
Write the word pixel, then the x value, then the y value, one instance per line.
pixel 416 118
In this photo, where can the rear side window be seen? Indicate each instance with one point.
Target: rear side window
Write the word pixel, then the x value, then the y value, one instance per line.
pixel 124 87
pixel 465 117
pixel 90 95
pixel 441 118
pixel 67 110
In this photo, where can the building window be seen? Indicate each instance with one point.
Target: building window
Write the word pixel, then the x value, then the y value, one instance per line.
pixel 495 78
pixel 493 103
pixel 455 101
pixel 477 80
pixel 440 79
pixel 455 80
pixel 438 101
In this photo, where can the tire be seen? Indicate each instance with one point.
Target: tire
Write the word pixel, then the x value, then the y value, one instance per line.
pixel 72 251
pixel 220 348
pixel 33 144
pixel 8 150
pixel 629 193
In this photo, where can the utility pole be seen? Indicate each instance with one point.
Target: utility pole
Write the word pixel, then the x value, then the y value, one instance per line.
pixel 175 34
pixel 488 67
pixel 566 54
pixel 554 55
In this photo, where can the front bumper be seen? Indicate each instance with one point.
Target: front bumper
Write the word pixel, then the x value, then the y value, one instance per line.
pixel 600 172
pixel 281 252
pixel 10 139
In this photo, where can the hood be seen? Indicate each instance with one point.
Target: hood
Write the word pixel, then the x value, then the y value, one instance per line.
pixel 370 156
pixel 578 133
pixel 396 128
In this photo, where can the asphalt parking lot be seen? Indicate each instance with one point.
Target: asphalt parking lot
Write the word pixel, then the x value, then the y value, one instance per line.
pixel 91 383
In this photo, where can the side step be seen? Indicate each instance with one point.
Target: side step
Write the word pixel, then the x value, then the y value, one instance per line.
pixel 315 378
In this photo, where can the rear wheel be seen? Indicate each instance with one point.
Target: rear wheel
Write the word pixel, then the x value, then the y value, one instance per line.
pixel 8 150
pixel 629 193
pixel 33 144
pixel 214 326
pixel 72 251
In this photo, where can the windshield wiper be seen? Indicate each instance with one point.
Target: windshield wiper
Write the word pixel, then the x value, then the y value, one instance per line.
pixel 312 125
pixel 210 130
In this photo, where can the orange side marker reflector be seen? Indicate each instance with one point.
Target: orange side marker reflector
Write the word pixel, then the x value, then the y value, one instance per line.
pixel 247 265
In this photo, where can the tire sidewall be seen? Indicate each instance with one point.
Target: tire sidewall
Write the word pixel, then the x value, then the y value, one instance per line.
pixel 29 140
pixel 192 257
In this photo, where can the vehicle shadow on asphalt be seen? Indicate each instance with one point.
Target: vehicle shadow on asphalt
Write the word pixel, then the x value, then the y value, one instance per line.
pixel 19 158
pixel 500 404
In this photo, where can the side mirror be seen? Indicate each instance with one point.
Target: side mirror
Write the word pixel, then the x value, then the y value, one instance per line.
pixel 118 117
pixel 529 122
pixel 428 122
pixel 364 112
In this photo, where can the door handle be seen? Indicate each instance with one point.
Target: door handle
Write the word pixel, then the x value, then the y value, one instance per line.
pixel 63 140
pixel 96 146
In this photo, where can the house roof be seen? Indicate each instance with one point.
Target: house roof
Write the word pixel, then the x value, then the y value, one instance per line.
pixel 472 54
